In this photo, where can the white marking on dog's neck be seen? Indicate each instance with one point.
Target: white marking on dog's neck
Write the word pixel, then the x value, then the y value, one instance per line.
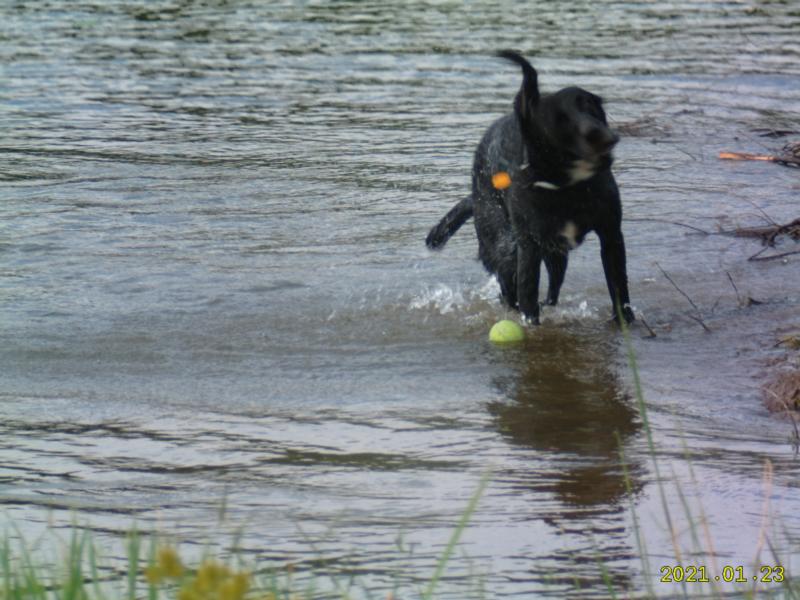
pixel 570 233
pixel 546 185
pixel 581 170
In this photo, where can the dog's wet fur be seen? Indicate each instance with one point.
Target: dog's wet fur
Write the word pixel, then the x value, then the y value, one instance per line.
pixel 557 150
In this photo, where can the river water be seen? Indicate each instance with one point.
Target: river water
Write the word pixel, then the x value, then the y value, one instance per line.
pixel 214 290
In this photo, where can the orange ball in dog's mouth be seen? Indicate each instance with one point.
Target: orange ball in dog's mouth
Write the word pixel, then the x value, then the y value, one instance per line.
pixel 501 180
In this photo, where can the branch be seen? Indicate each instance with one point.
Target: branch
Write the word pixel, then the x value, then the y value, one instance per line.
pixel 756 256
pixel 698 317
pixel 786 160
pixel 649 220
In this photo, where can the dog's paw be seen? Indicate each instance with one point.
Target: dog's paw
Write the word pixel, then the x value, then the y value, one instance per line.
pixel 627 314
pixel 530 320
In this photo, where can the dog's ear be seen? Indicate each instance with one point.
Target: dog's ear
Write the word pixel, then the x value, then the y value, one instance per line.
pixel 528 95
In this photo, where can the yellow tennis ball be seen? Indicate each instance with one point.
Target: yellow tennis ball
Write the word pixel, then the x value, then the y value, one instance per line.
pixel 506 331
pixel 501 180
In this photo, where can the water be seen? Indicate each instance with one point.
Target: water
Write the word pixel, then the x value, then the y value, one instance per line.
pixel 215 288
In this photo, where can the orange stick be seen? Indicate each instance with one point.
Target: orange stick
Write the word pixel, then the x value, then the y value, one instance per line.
pixel 746 156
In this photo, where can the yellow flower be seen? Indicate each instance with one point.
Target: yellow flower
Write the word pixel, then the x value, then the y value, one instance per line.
pixel 154 575
pixel 212 580
pixel 235 587
pixel 187 593
pixel 210 575
pixel 169 562
pixel 167 566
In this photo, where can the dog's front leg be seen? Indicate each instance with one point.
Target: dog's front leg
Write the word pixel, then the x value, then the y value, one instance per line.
pixel 529 261
pixel 612 253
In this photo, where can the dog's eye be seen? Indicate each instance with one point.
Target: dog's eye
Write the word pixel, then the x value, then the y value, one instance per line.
pixel 591 103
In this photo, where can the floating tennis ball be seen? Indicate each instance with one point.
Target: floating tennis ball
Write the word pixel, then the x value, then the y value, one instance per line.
pixel 506 331
pixel 501 180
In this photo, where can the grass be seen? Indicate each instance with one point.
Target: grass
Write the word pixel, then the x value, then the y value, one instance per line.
pixel 702 553
pixel 163 574
pixel 156 570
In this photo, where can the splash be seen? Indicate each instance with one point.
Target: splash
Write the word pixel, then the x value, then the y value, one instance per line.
pixel 444 299
pixel 569 309
pixel 441 298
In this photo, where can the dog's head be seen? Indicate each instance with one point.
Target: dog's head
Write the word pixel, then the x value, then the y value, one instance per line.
pixel 569 126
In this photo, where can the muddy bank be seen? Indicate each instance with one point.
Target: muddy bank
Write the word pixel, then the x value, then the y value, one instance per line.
pixel 781 390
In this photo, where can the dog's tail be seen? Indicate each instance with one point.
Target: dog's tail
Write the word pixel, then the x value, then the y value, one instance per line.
pixel 450 223
pixel 528 94
pixel 528 71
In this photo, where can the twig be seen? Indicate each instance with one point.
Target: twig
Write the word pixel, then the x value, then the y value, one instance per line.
pixel 743 301
pixel 796 438
pixel 764 214
pixel 675 285
pixel 769 235
pixel 715 305
pixel 765 513
pixel 694 157
pixel 773 133
pixel 792 341
pixel 692 227
pixel 699 320
pixel 647 326
pixel 746 156
pixel 786 160
pixel 698 317
pixel 756 256
pixel 735 289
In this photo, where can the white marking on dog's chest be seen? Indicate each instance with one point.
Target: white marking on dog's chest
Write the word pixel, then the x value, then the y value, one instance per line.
pixel 546 185
pixel 581 170
pixel 570 233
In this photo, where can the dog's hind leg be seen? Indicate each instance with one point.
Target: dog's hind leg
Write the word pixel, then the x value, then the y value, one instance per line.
pixel 529 262
pixel 556 264
pixel 507 278
pixel 450 223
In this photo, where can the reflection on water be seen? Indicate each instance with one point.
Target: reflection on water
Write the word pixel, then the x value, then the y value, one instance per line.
pixel 213 285
pixel 567 401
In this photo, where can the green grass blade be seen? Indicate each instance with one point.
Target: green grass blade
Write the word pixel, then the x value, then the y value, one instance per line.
pixel 95 573
pixel 651 446
pixel 134 547
pixel 641 547
pixel 456 535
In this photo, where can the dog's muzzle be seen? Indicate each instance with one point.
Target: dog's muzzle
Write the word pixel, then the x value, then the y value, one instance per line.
pixel 602 140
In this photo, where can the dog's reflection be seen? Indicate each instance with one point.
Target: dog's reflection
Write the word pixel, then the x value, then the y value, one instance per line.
pixel 565 400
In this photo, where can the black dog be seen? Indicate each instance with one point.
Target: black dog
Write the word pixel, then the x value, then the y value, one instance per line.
pixel 557 151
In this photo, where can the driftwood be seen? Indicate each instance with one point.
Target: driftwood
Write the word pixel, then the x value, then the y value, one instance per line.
pixel 771 132
pixel 768 235
pixel 787 160
pixel 789 156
